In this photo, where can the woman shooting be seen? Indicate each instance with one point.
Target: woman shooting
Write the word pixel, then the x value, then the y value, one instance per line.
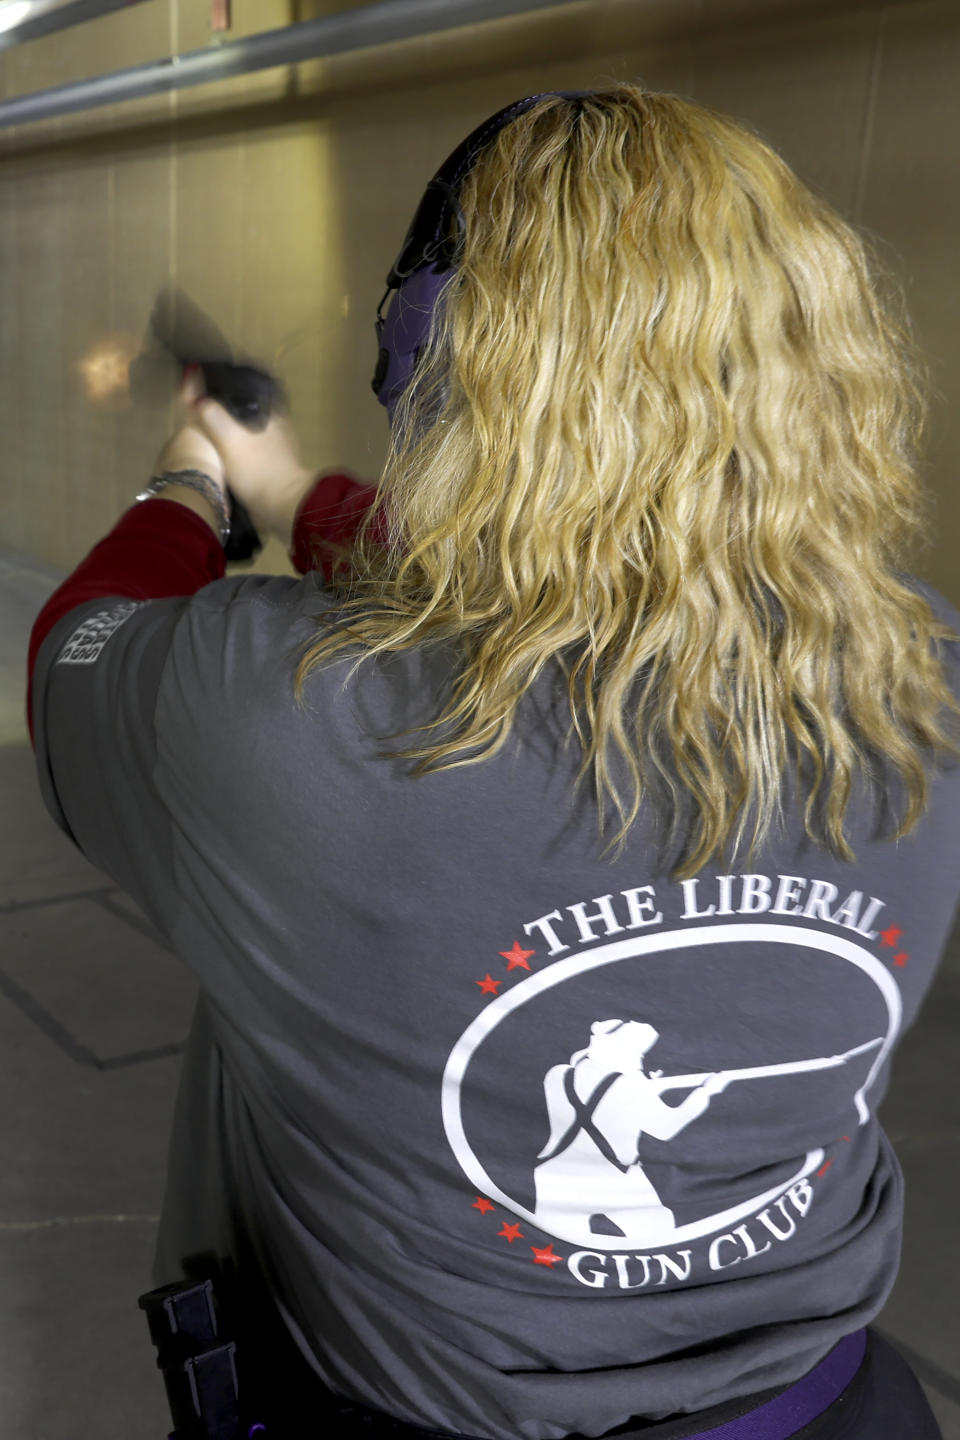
pixel 626 612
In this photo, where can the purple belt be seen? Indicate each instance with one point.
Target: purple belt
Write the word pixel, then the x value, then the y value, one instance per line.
pixel 794 1408
pixel 776 1419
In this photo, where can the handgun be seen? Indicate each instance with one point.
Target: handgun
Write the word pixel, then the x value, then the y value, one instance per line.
pixel 180 334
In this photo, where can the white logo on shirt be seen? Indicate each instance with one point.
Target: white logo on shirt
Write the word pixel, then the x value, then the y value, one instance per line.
pixel 591 1185
pixel 89 638
pixel 589 1175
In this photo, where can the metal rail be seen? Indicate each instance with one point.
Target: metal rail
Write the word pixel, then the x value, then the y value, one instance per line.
pixel 376 24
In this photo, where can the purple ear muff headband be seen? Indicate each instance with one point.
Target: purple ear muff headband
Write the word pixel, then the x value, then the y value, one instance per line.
pixel 427 256
pixel 403 331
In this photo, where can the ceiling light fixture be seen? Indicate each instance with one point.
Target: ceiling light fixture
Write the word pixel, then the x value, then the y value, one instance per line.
pixel 13 13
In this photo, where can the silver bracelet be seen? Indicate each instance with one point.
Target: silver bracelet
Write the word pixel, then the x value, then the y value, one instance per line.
pixel 194 480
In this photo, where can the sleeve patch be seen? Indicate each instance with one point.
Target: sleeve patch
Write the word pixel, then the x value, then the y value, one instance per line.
pixel 86 642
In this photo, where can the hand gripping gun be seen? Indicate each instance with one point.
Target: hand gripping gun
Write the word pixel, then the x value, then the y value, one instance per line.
pixel 198 1364
pixel 181 335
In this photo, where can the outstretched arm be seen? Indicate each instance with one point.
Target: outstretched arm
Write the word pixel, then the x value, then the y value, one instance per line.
pixel 663 1121
pixel 170 545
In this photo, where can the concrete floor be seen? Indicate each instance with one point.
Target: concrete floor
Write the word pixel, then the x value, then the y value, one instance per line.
pixel 93 1010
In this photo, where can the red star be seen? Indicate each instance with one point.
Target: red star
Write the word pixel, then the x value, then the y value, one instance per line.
pixel 891 936
pixel 545 1256
pixel 847 1138
pixel 824 1168
pixel 482 1205
pixel 510 1232
pixel 517 957
pixel 488 985
pixel 901 959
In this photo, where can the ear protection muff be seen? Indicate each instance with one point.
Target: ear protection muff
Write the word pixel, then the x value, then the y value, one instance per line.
pixel 429 252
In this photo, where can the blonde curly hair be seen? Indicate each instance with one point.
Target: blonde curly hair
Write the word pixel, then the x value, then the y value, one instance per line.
pixel 664 437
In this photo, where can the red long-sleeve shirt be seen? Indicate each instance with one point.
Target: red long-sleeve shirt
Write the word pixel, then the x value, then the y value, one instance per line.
pixel 160 548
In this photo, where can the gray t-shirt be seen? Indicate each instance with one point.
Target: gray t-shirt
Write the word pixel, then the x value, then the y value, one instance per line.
pixel 450 1071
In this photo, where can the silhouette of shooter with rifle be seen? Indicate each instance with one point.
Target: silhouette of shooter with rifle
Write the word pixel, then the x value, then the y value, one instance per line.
pixel 599 1107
